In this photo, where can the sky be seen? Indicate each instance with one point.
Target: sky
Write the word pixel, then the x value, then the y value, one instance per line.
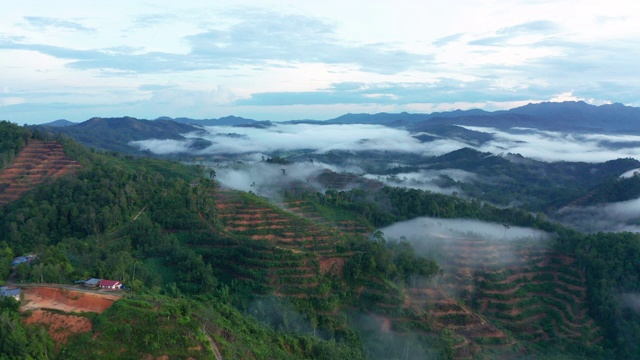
pixel 284 60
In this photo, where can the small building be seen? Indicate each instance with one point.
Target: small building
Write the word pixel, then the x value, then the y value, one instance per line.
pixel 110 284
pixel 93 282
pixel 10 291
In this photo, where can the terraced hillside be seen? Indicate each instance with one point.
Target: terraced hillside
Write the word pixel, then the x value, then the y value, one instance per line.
pixel 286 253
pixel 535 294
pixel 37 163
pixel 332 180
pixel 495 298
pixel 346 222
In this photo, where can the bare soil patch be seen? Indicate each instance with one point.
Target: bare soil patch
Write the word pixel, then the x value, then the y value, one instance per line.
pixel 333 265
pixel 66 300
pixel 59 326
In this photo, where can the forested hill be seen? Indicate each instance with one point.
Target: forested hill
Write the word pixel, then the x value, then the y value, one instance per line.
pixel 308 277
pixel 12 139
pixel 116 133
pixel 569 116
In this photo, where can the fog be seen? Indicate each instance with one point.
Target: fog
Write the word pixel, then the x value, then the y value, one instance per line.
pixel 278 137
pixel 163 147
pixel 381 342
pixel 264 178
pixel 290 137
pixel 430 236
pixel 630 173
pixel 251 144
pixel 556 146
pixel 426 228
pixel 631 301
pixel 429 180
pixel 618 216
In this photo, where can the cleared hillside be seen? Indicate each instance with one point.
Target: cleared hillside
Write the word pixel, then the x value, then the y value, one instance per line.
pixel 38 162
pixel 63 312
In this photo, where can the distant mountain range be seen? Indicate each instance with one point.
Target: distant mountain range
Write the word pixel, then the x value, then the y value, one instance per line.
pixel 223 121
pixel 566 116
pixel 572 117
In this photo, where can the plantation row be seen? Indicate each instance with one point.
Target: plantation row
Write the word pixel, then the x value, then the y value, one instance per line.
pixel 535 294
pixel 38 162
pixel 282 251
pixel 343 221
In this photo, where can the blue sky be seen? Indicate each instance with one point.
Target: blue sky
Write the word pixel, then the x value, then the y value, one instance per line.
pixel 281 60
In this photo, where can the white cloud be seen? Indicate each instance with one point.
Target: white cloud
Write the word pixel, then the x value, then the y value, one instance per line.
pixel 426 228
pixel 515 52
pixel 556 146
pixel 630 173
pixel 618 216
pixel 319 138
pixel 162 147
pixel 11 100
pixel 540 145
pixel 425 179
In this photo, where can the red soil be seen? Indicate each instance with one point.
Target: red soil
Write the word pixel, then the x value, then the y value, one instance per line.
pixel 269 237
pixel 37 163
pixel 386 325
pixel 66 300
pixel 333 265
pixel 60 327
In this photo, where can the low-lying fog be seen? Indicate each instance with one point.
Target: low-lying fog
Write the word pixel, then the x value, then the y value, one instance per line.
pixel 532 143
pixel 557 146
pixel 425 179
pixel 426 228
pixel 250 144
pixel 619 216
pixel 429 236
pixel 267 179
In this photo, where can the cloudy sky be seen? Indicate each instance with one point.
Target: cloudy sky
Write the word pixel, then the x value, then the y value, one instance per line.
pixel 281 60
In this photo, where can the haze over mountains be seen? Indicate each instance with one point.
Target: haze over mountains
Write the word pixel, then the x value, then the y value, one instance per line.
pixel 320 180
pixel 496 231
pixel 555 148
pixel 566 116
pixel 584 133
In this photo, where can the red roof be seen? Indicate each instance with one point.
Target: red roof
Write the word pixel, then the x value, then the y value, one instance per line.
pixel 108 283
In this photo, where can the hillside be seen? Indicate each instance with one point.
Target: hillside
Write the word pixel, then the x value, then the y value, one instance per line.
pixel 308 276
pixel 116 133
pixel 38 162
pixel 568 116
pixel 64 312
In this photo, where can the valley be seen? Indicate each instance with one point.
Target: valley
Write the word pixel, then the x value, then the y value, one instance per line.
pixel 304 180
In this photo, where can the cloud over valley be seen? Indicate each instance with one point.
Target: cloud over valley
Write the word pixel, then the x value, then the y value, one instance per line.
pixel 273 137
